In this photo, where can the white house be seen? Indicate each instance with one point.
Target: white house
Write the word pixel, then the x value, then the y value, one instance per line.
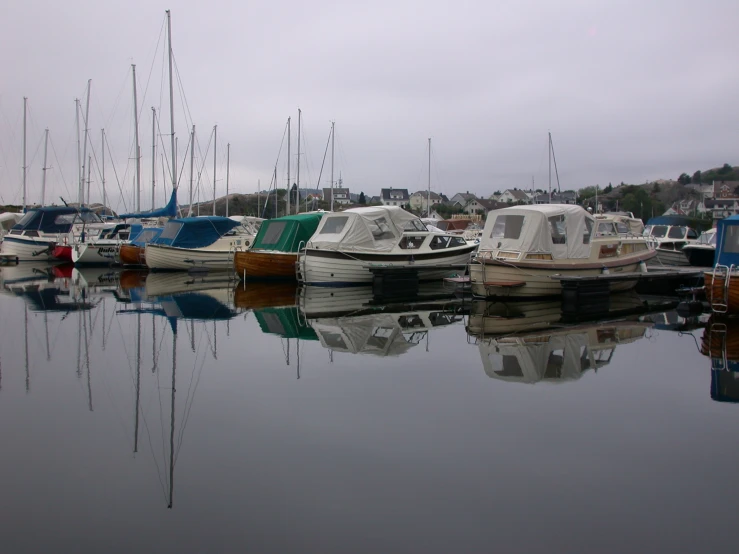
pixel 341 196
pixel 514 196
pixel 394 197
pixel 419 200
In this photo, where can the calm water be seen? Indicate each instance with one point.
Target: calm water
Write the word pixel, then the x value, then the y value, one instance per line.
pixel 177 414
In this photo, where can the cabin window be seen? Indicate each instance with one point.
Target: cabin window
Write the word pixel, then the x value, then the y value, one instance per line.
pixel 380 229
pixel 26 219
pixel 511 367
pixel 557 226
pixel 587 233
pixel 170 230
pixel 692 234
pixel 123 235
pixel 622 228
pixel 458 241
pixel 411 242
pixel 507 227
pixel 273 323
pixel 274 232
pixel 334 225
pixel 731 239
pixel 659 231
pixel 606 229
pixel 440 242
pixel 415 225
pixel 676 233
pixel 146 236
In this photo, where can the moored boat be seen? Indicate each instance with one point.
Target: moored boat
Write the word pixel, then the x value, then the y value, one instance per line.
pixel 523 247
pixel 668 235
pixel 275 250
pixel 702 252
pixel 348 244
pixel 722 281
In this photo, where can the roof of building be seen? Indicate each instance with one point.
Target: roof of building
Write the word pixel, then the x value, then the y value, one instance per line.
pixel 425 194
pixel 517 194
pixel 385 194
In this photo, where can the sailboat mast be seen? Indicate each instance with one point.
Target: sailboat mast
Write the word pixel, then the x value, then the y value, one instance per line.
pixel 138 382
pixel 84 144
pixel 25 105
pixel 77 108
pixel 297 177
pixel 171 419
pixel 153 154
pixel 136 140
pixel 289 160
pixel 550 168
pixel 215 146
pixel 275 182
pixel 89 169
pixel 192 163
pixel 428 199
pixel 228 169
pixel 171 107
pixel 102 132
pixel 333 130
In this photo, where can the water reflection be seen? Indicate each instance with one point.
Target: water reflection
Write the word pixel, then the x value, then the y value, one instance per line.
pixel 721 344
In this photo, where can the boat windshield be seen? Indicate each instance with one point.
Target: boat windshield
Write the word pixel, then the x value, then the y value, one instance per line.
pixel 79 217
pixel 708 237
pixel 507 227
pixel 334 225
pixel 26 219
pixel 274 232
pixel 380 229
pixel 415 225
pixel 676 233
pixel 559 231
pixel 658 231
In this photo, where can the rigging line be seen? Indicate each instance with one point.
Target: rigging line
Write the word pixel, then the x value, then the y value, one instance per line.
pixel 325 153
pixel 190 398
pixel 161 410
pixel 551 145
pixel 59 166
pixel 116 103
pixel 115 173
pixel 151 69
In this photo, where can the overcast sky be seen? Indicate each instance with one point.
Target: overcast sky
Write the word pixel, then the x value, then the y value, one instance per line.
pixel 630 90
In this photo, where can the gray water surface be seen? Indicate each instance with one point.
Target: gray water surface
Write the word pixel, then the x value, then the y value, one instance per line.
pixel 371 432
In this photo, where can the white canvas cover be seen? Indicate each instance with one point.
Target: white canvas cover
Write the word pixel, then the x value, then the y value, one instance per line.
pixel 368 229
pixel 376 334
pixel 574 223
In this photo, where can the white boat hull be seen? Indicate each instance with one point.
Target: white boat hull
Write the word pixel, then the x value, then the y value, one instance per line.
pixel 669 258
pixel 95 254
pixel 538 283
pixel 335 268
pixel 29 249
pixel 159 257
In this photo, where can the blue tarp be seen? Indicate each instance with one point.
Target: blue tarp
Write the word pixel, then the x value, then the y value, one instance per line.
pixel 194 232
pixel 170 210
pixel 727 241
pixel 145 236
pixel 679 220
pixel 54 219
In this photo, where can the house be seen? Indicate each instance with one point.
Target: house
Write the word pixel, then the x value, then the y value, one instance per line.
pixel 341 196
pixel 687 206
pixel 461 199
pixel 394 197
pixel 419 200
pixel 724 189
pixel 566 197
pixel 480 206
pixel 722 207
pixel 514 196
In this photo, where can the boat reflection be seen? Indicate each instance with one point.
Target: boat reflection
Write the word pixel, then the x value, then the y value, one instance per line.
pixel 254 295
pixel 44 287
pixel 721 344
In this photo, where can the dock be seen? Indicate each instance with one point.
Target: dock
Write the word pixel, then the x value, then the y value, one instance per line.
pixel 397 282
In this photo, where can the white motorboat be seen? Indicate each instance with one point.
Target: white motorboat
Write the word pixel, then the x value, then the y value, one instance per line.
pixel 101 246
pixel 348 244
pixel 668 237
pixel 702 252
pixel 523 247
pixel 42 230
pixel 201 243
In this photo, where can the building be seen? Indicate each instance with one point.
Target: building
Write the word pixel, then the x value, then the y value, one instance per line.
pixel 419 200
pixel 480 206
pixel 461 199
pixel 514 196
pixel 394 197
pixel 722 207
pixel 341 196
pixel 566 197
pixel 688 206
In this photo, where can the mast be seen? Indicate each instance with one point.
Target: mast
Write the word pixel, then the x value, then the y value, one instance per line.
pixel 192 162
pixel 297 187
pixel 153 154
pixel 275 181
pixel 84 144
pixel 333 130
pixel 89 169
pixel 136 140
pixel 215 147
pixel 77 108
pixel 138 381
pixel 103 171
pixel 428 199
pixel 228 169
pixel 171 431
pixel 171 108
pixel 289 160
pixel 25 104
pixel 43 180
pixel 550 167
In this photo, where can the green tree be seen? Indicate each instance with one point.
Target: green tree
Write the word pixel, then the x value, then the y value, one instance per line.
pixel 697 177
pixel 684 179
pixel 726 169
pixel 362 199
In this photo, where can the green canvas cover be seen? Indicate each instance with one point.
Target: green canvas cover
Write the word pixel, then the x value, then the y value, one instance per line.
pixel 285 234
pixel 284 322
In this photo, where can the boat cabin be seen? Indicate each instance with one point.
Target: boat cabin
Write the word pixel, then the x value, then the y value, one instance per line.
pixel 195 232
pixel 287 234
pixel 727 242
pixel 53 220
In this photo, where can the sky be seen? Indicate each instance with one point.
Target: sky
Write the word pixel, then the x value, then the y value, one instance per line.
pixel 631 91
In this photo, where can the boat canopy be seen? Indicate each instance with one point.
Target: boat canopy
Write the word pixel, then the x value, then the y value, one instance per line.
pixel 376 228
pixel 8 219
pixel 170 210
pixel 194 232
pixel 375 334
pixel 727 246
pixel 678 220
pixel 562 230
pixel 145 236
pixel 55 219
pixel 198 306
pixel 285 234
pixel 285 322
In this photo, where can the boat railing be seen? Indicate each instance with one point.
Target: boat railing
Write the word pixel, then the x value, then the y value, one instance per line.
pixel 718 288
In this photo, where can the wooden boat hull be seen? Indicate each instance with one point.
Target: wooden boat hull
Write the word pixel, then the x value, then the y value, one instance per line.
pixel 334 268
pixel 29 249
pixel 538 282
pixel 130 254
pixel 252 296
pixel 715 293
pixel 265 265
pixel 159 257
